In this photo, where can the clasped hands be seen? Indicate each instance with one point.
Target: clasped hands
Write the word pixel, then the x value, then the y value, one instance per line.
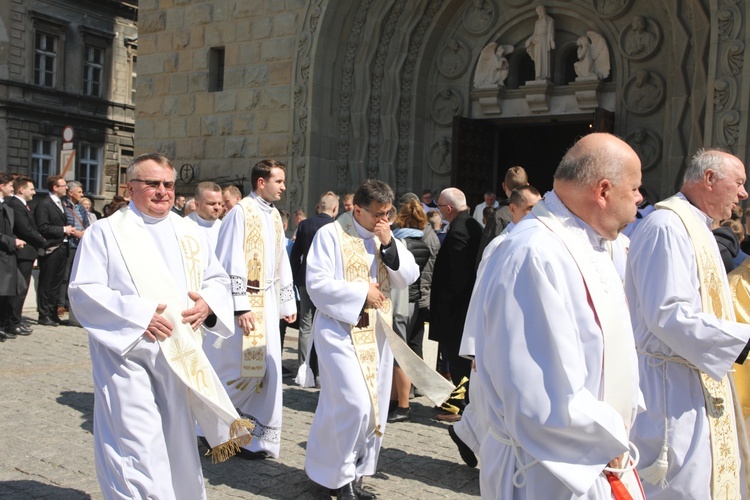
pixel 160 328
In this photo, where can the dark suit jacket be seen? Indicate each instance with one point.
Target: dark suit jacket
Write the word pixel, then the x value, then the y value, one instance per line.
pixel 51 221
pixel 305 233
pixel 25 229
pixel 8 268
pixel 453 279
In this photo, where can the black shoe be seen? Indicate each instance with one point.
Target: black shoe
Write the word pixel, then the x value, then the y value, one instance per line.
pixel 6 335
pixel 202 440
pixel 363 493
pixel 3 335
pixel 399 415
pixel 467 455
pixel 285 372
pixel 56 319
pixel 346 492
pixel 47 321
pixel 252 455
pixel 18 330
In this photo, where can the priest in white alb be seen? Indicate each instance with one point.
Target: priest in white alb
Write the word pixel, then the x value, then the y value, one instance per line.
pixel 352 266
pixel 209 206
pixel 691 437
pixel 251 248
pixel 556 360
pixel 142 286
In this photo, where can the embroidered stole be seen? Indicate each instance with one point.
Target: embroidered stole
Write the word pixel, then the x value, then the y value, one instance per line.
pixel 720 401
pixel 617 372
pixel 254 345
pixel 357 269
pixel 209 402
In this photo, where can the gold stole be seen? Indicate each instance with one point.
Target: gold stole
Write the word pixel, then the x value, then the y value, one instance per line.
pixel 720 401
pixel 739 286
pixel 357 269
pixel 254 345
pixel 183 351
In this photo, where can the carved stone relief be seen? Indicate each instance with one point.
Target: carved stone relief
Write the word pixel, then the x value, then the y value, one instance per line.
pixel 453 59
pixel 480 16
pixel 517 3
pixel 593 58
pixel 732 56
pixel 729 129
pixel 725 94
pixel 610 9
pixel 640 39
pixel 648 145
pixel 440 156
pixel 492 66
pixel 644 92
pixel 445 105
pixel 729 17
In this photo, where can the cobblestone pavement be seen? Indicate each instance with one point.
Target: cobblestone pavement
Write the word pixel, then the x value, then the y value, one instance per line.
pixel 46 413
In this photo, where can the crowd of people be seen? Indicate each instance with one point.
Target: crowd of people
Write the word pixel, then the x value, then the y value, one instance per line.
pixel 586 363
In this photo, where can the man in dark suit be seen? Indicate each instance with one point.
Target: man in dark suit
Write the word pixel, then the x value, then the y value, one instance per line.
pixel 53 225
pixel 452 282
pixel 328 207
pixel 10 283
pixel 26 230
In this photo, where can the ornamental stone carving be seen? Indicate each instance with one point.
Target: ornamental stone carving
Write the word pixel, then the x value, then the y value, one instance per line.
pixel 729 129
pixel 517 3
pixel 725 94
pixel 492 66
pixel 730 22
pixel 647 145
pixel 640 39
pixel 480 16
pixel 453 59
pixel 445 105
pixel 610 9
pixel 440 156
pixel 644 92
pixel 593 58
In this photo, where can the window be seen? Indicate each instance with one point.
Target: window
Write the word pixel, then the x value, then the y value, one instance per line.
pixel 42 161
pixel 93 68
pixel 133 75
pixel 45 59
pixel 216 69
pixel 89 168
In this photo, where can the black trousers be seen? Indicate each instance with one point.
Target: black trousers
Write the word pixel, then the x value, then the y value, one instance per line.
pixel 51 274
pixel 16 303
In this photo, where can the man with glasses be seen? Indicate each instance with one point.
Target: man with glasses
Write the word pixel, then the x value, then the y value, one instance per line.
pixel 77 217
pixel 52 223
pixel 252 249
pixel 142 286
pixel 351 267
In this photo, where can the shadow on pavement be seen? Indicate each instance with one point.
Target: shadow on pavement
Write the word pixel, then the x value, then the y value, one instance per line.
pixel 35 489
pixel 296 398
pixel 431 471
pixel 84 403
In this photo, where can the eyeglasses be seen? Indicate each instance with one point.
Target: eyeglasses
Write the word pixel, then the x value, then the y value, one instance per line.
pixel 154 184
pixel 378 215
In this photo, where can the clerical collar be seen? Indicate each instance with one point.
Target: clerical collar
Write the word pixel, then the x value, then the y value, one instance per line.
pixel 146 218
pixel 263 204
pixel 363 233
pixel 201 221
pixel 700 213
pixel 572 221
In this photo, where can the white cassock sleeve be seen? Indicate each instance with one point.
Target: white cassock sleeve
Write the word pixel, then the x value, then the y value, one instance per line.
pixel 540 363
pixel 102 294
pixel 285 287
pixel 230 250
pixel 664 297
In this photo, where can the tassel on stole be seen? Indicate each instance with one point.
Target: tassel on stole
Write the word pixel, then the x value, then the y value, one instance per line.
pixel 236 441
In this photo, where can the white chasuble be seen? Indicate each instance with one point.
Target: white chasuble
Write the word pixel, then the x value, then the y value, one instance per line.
pixel 145 402
pixel 251 249
pixel 343 445
pixel 541 363
pixel 678 338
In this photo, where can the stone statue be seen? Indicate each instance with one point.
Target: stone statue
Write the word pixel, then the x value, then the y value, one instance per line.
pixel 492 67
pixel 479 16
pixel 440 158
pixel 453 59
pixel 610 7
pixel 645 93
pixel 593 57
pixel 639 42
pixel 446 105
pixel 540 43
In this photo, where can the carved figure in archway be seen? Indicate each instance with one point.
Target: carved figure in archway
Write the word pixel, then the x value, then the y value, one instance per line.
pixel 541 42
pixel 639 41
pixel 492 66
pixel 593 57
pixel 610 7
pixel 647 146
pixel 644 93
pixel 479 16
pixel 453 59
pixel 440 156
pixel 445 106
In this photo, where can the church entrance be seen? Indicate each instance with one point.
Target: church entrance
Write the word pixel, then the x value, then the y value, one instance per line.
pixel 483 150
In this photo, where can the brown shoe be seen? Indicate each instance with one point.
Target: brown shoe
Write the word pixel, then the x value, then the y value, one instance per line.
pixel 448 417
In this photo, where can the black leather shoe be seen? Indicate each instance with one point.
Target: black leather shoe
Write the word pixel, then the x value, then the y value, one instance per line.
pixel 18 330
pixel 24 327
pixel 56 319
pixel 346 492
pixel 2 335
pixel 467 455
pixel 6 335
pixel 363 493
pixel 252 455
pixel 47 321
pixel 399 415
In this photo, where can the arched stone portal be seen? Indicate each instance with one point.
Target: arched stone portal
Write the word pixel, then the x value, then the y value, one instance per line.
pixel 376 83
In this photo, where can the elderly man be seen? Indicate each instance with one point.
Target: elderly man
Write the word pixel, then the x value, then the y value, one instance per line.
pixel 351 268
pixel 142 285
pixel 469 432
pixel 77 217
pixel 209 206
pixel 490 200
pixel 557 362
pixel 687 338
pixel 452 281
pixel 251 249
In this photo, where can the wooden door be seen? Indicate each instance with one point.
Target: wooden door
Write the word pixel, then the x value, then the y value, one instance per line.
pixel 474 158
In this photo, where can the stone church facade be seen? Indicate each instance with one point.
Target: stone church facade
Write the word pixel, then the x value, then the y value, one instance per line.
pixel 432 93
